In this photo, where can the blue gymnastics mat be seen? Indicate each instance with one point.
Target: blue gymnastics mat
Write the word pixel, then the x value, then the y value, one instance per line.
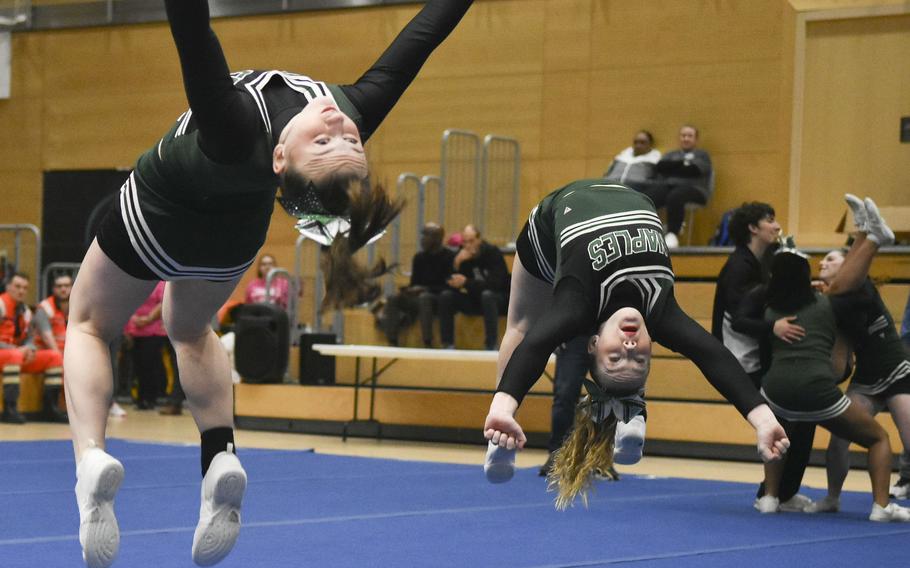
pixel 306 509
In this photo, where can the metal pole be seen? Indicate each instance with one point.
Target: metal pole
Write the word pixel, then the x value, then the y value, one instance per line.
pixel 425 181
pixel 480 194
pixel 16 228
pixel 291 308
pixel 317 295
pixel 389 286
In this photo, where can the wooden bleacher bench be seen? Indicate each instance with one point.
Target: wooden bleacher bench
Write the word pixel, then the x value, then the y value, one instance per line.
pixel 429 398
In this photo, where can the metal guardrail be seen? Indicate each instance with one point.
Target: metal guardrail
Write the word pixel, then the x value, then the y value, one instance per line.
pixel 16 229
pixel 459 177
pixel 293 292
pixel 499 189
pixel 318 287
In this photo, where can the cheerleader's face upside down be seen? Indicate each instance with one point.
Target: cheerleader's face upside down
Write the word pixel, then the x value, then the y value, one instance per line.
pixel 621 352
pixel 319 141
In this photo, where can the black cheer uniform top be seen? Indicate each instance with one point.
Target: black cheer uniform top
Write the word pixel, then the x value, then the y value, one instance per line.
pixel 601 246
pixel 198 203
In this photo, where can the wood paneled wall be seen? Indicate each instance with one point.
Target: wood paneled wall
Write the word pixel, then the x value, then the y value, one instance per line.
pixel 571 79
pixel 857 89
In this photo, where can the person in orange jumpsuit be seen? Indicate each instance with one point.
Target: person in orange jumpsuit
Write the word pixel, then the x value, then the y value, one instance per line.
pixel 18 354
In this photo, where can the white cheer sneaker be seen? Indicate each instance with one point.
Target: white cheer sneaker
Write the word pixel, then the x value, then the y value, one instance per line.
pixel 499 465
pixel 878 230
pixel 630 441
pixel 858 208
pixel 219 512
pixel 98 477
pixel 893 513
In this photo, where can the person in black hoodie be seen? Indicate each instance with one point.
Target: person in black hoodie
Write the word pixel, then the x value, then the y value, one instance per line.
pixel 479 285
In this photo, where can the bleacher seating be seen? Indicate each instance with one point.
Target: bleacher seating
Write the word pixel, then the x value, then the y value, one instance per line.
pixel 427 399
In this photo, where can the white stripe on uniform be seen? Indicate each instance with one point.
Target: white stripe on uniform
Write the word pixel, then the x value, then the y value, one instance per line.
pixel 643 216
pixel 645 278
pixel 821 415
pixel 543 264
pixel 151 252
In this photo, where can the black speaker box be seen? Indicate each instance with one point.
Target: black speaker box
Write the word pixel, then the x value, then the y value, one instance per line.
pixel 315 368
pixel 262 345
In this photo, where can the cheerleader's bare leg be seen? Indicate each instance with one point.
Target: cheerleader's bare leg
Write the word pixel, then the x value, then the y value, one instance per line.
pixel 205 371
pixel 103 299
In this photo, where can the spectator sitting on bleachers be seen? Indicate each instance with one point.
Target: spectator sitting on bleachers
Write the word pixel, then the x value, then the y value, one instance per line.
pixel 479 285
pixel 683 176
pixel 255 290
pixel 19 355
pixel 430 268
pixel 636 166
pixel 51 316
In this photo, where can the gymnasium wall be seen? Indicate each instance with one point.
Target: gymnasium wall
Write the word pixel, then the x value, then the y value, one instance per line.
pixel 571 79
pixel 857 87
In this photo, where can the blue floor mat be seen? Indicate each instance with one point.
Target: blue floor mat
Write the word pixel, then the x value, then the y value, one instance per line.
pixel 308 509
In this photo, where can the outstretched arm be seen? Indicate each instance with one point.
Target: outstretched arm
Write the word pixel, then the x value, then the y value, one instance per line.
pixel 568 315
pixel 680 333
pixel 377 91
pixel 226 125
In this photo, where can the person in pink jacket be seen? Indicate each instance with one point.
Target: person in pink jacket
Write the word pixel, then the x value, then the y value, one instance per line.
pixel 255 290
pixel 146 331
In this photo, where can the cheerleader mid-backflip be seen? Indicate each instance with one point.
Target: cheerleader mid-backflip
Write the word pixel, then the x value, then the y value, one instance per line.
pixel 592 260
pixel 195 212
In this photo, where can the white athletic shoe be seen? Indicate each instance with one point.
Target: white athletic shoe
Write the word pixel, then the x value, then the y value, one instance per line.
pixel 672 240
pixel 901 489
pixel 629 441
pixel 878 231
pixel 795 504
pixel 767 504
pixel 219 512
pixel 893 513
pixel 499 465
pixel 116 411
pixel 98 477
pixel 826 505
pixel 858 208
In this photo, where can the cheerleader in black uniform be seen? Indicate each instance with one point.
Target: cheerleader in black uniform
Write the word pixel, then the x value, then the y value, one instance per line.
pixel 592 260
pixel 195 211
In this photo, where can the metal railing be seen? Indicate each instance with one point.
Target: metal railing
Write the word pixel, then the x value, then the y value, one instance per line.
pixel 318 290
pixel 459 177
pixel 293 291
pixel 17 229
pixel 499 190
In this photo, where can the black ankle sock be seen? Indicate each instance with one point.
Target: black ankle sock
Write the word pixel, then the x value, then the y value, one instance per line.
pixel 215 441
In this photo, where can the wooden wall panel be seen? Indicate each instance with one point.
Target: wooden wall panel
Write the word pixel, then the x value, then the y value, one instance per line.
pixel 567 35
pixel 571 79
pixel 20 136
pixel 684 33
pixel 857 87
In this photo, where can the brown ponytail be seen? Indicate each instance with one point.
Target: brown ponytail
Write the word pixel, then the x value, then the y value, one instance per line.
pixel 589 448
pixel 371 210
